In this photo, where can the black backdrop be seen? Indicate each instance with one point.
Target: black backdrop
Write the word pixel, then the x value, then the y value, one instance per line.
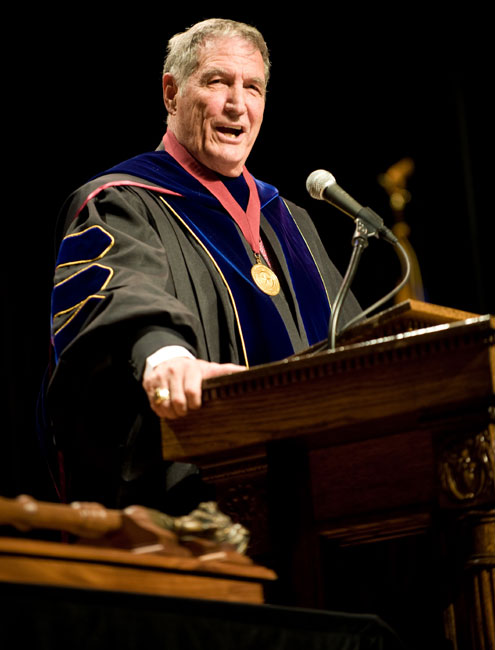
pixel 352 91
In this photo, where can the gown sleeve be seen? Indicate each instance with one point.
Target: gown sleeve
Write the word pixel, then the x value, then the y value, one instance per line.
pixel 113 282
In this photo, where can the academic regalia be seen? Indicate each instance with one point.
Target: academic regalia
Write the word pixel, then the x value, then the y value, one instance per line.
pixel 148 258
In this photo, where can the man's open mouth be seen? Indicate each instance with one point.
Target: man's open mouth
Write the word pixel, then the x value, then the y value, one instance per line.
pixel 231 131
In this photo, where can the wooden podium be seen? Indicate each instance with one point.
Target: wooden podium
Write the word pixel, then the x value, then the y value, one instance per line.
pixel 389 437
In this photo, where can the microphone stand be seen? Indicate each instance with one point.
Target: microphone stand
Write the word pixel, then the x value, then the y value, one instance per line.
pixel 362 233
pixel 359 243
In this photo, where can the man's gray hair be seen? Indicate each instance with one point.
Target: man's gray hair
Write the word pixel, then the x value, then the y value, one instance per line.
pixel 183 49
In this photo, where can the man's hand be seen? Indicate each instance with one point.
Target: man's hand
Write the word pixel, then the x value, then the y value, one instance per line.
pixel 180 381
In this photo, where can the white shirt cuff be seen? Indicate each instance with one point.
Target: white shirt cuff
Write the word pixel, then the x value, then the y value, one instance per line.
pixel 164 354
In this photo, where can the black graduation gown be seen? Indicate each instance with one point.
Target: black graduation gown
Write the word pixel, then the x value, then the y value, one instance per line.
pixel 151 283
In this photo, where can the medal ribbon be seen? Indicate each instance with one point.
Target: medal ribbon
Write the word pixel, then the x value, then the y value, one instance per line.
pixel 248 220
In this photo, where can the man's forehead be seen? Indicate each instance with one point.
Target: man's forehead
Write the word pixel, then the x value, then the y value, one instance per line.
pixel 228 48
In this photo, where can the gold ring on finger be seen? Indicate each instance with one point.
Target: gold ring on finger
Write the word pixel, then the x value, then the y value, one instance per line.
pixel 161 395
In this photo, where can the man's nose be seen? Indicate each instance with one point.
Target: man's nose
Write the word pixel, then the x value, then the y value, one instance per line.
pixel 236 102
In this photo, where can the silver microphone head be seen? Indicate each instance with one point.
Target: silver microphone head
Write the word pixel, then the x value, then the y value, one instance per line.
pixel 318 181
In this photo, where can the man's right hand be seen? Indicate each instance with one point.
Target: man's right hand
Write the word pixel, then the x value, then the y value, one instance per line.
pixel 180 382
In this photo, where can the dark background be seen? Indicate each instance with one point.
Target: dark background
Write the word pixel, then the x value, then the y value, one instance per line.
pixel 352 91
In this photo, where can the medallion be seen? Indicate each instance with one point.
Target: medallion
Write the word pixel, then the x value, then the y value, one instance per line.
pixel 265 279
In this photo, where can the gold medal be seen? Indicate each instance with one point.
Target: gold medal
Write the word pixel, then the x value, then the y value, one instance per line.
pixel 265 279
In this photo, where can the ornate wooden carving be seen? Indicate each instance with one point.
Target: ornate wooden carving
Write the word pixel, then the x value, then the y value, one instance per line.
pixel 467 469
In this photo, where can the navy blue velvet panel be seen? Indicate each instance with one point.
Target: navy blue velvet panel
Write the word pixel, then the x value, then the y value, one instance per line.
pixel 72 325
pixel 86 246
pixel 78 287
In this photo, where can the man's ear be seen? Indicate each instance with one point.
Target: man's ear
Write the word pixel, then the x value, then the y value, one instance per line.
pixel 170 91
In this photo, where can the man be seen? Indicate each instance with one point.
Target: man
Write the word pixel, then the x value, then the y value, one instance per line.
pixel 176 266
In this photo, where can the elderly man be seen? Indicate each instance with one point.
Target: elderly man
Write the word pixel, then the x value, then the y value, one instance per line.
pixel 173 267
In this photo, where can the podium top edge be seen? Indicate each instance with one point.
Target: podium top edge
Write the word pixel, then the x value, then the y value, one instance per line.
pixel 482 325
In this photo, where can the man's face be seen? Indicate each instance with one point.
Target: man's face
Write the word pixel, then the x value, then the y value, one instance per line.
pixel 217 115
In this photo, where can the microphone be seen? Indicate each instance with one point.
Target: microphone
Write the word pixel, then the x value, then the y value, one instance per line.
pixel 322 185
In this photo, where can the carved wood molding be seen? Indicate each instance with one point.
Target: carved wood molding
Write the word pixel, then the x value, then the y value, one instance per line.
pixel 446 338
pixel 352 533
